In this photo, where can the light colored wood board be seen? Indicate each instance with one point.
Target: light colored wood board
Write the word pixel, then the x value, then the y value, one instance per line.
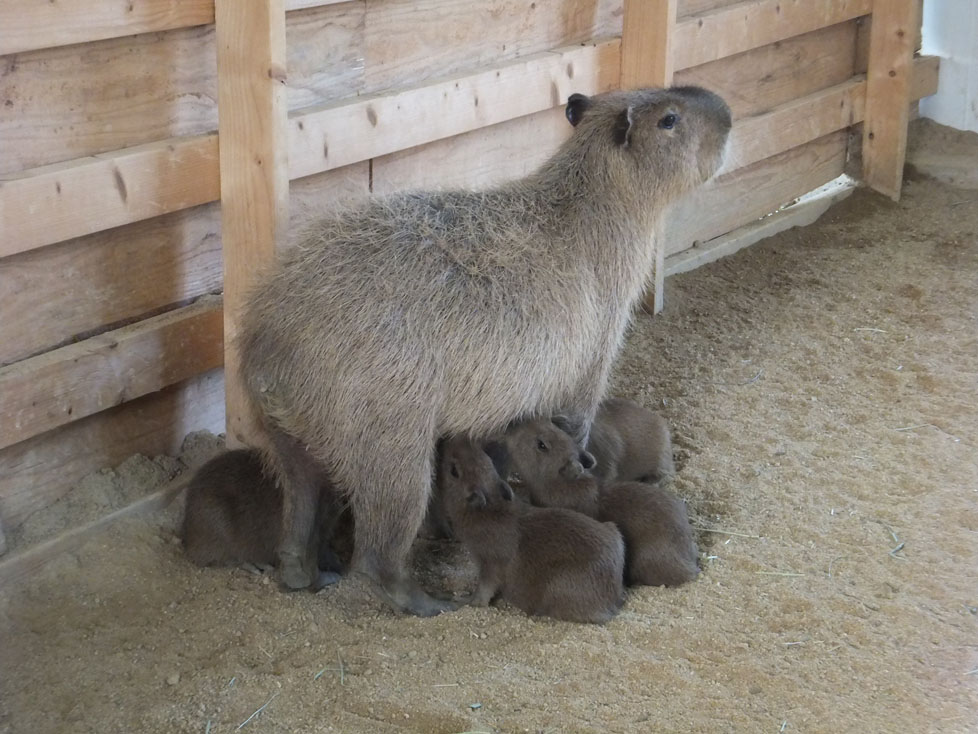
pixel 734 29
pixel 408 41
pixel 646 43
pixel 25 564
pixel 311 196
pixel 477 159
pixel 324 46
pixel 647 61
pixel 888 86
pixel 33 24
pixel 801 214
pixel 760 79
pixel 297 5
pixel 37 472
pixel 63 200
pixel 695 7
pixel 63 103
pixel 738 198
pixel 70 383
pixel 74 101
pixel 86 285
pixel 251 65
pixel 372 126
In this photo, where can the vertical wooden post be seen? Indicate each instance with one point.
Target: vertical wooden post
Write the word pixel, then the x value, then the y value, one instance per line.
pixel 891 46
pixel 646 61
pixel 252 135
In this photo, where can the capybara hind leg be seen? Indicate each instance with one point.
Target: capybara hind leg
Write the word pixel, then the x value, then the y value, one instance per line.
pixel 302 477
pixel 389 503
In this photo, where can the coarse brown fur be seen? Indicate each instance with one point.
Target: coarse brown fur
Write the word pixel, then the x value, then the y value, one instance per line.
pixel 550 562
pixel 233 515
pixel 630 443
pixel 427 314
pixel 659 545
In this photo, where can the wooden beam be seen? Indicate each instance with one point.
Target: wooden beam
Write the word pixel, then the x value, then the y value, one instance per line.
pixel 33 24
pixel 64 200
pixel 648 29
pixel 67 384
pixel 345 132
pixel 736 28
pixel 252 119
pixel 888 87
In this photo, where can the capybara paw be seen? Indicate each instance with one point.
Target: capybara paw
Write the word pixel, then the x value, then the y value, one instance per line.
pixel 324 579
pixel 293 574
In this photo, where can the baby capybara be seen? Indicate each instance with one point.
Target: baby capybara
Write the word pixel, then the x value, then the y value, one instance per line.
pixel 550 562
pixel 659 545
pixel 658 539
pixel 630 443
pixel 233 515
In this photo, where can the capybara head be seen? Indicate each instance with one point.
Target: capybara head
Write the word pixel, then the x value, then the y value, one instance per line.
pixel 469 479
pixel 678 135
pixel 542 450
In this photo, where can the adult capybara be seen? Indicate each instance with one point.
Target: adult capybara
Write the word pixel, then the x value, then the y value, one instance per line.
pixel 233 515
pixel 630 443
pixel 427 314
pixel 550 562
pixel 659 545
pixel 548 468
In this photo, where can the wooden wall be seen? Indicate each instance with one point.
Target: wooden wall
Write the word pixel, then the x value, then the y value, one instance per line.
pixel 110 225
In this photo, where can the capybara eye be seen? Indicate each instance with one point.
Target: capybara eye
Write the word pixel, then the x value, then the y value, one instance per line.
pixel 454 470
pixel 668 122
pixel 541 445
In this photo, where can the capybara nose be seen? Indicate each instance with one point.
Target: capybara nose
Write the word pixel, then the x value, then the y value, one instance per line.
pixel 587 460
pixel 571 470
pixel 709 101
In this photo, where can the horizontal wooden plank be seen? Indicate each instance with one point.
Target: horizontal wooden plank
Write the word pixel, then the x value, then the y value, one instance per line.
pixel 33 24
pixel 797 122
pixel 64 200
pixel 39 471
pixel 343 133
pixel 733 29
pixel 64 385
pixel 103 281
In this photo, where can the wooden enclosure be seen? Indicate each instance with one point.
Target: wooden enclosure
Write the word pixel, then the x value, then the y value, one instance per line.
pixel 115 250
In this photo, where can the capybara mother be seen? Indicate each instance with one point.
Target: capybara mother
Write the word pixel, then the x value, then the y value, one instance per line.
pixel 425 314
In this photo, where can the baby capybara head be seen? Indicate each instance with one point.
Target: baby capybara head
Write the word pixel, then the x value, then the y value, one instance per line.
pixel 676 135
pixel 469 476
pixel 542 450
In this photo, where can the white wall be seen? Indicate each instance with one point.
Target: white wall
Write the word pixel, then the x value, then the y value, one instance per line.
pixel 951 32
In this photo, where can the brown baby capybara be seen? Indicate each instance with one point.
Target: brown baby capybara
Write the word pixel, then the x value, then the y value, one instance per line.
pixel 548 468
pixel 233 515
pixel 549 562
pixel 425 314
pixel 659 546
pixel 630 443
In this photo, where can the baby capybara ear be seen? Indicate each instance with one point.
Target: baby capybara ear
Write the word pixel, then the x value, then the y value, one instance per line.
pixel 577 104
pixel 499 455
pixel 587 460
pixel 563 423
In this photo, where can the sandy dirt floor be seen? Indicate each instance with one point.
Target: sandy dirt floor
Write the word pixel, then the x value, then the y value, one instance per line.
pixel 823 388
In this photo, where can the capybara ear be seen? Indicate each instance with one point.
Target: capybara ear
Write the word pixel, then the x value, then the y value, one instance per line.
pixel 622 130
pixel 563 423
pixel 499 455
pixel 506 492
pixel 577 104
pixel 476 499
pixel 587 460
